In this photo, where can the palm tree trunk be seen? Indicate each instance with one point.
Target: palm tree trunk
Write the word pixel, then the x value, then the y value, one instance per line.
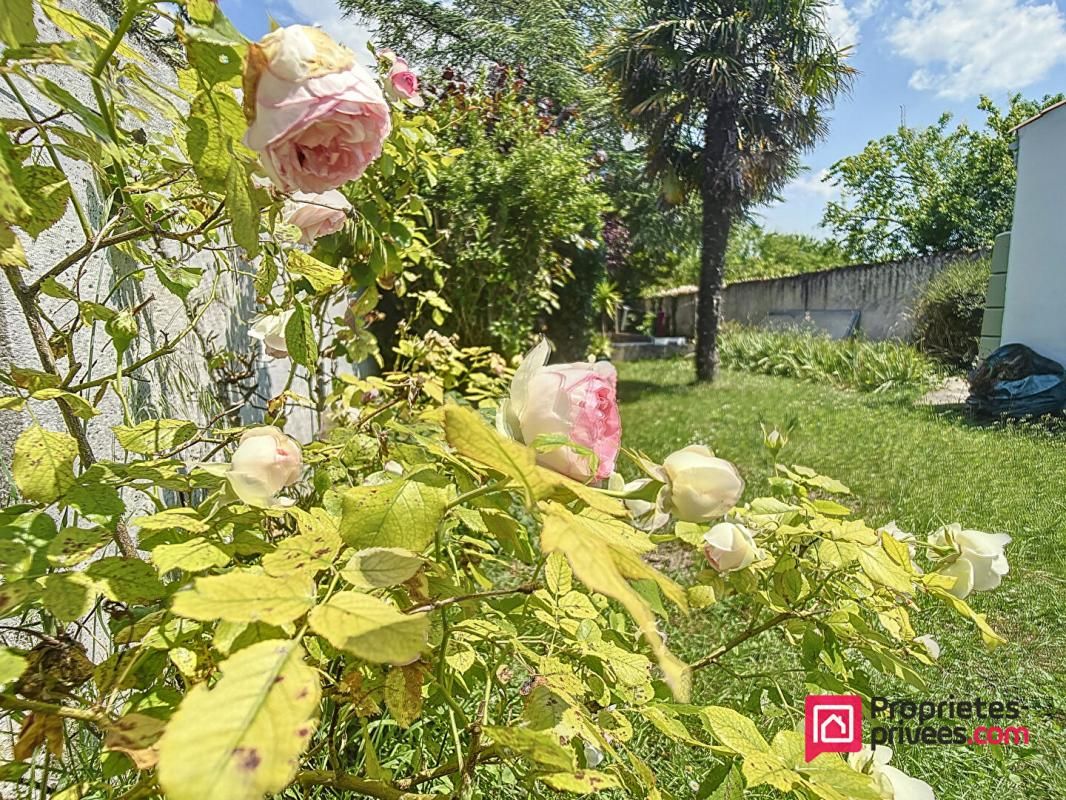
pixel 717 221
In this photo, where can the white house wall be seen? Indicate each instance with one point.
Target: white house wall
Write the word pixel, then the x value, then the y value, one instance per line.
pixel 1035 306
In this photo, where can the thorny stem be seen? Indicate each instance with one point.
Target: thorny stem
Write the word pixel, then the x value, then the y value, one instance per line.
pixel 740 638
pixel 10 702
pixel 527 588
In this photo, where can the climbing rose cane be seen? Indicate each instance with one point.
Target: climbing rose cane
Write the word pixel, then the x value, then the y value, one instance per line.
pixel 317 118
pixel 576 401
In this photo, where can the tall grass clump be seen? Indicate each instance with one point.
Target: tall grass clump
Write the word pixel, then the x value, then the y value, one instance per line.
pixel 849 363
pixel 948 315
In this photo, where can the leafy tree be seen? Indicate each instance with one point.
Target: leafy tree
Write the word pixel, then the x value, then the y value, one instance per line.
pixel 727 95
pixel 927 190
pixel 550 40
pixel 755 253
pixel 513 214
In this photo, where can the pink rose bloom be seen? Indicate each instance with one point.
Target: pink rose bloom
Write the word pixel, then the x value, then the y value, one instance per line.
pixel 574 401
pixel 317 215
pixel 402 82
pixel 316 117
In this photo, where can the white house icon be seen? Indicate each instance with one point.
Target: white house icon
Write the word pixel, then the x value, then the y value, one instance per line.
pixel 833 724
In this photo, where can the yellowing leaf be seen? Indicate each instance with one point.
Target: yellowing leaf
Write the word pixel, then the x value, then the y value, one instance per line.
pixel 242 739
pixel 403 513
pixel 762 768
pixel 155 435
pixel 586 781
pixel 988 635
pixel 371 628
pixel 11 665
pixel 879 568
pixel 321 276
pixel 733 730
pixel 43 463
pixel 171 519
pixel 403 694
pixel 538 747
pixel 245 597
pixel 471 436
pixel 135 735
pixel 194 555
pixel 378 567
pixel 74 545
pixel 312 550
pixel 595 562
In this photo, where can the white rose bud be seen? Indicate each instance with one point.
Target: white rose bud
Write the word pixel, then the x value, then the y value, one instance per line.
pixel 264 463
pixel 646 515
pixel 894 784
pixel 931 645
pixel 700 487
pixel 774 441
pixel 979 562
pixel 270 330
pixel 730 547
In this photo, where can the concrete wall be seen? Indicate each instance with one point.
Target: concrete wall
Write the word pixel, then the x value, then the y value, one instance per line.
pixel 1034 311
pixel 882 294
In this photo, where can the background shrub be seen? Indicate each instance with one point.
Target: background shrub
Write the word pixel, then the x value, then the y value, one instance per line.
pixel 947 318
pixel 849 363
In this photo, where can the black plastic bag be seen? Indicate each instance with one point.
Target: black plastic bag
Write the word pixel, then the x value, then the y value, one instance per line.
pixel 1016 381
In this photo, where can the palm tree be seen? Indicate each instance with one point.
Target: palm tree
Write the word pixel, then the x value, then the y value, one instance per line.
pixel 726 95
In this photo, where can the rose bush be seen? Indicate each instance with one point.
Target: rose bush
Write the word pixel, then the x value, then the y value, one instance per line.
pixel 413 605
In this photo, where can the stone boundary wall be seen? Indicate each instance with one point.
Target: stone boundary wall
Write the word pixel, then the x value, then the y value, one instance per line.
pixel 883 295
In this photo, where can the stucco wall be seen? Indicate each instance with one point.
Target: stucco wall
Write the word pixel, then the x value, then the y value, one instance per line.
pixel 883 294
pixel 1034 310
pixel 175 386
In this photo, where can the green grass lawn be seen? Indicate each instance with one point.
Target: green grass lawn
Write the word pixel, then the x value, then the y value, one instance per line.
pixel 922 468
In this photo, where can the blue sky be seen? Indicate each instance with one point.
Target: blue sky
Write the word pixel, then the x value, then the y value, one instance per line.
pixel 917 58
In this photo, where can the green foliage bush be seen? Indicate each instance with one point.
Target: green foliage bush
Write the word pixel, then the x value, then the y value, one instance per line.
pixel 949 314
pixel 847 363
pixel 508 213
pixel 411 605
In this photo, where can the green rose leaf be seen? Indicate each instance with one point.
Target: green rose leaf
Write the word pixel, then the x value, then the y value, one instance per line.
pixel 216 125
pixel 16 22
pixel 126 580
pixel 68 595
pixel 300 339
pixel 47 193
pixel 242 211
pixel 734 730
pixel 538 747
pixel 378 567
pixel 404 513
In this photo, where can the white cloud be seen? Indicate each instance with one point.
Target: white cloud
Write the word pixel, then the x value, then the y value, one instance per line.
pixel 814 183
pixel 844 20
pixel 350 31
pixel 963 48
